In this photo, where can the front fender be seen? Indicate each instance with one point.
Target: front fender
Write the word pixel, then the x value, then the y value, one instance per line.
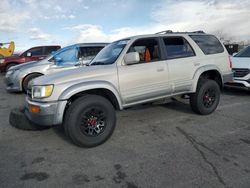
pixel 85 86
pixel 199 72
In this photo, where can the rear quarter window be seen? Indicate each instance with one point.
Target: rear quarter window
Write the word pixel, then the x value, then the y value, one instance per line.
pixel 209 44
pixel 177 47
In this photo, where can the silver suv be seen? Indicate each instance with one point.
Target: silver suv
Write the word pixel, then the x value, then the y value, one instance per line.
pixel 70 57
pixel 125 73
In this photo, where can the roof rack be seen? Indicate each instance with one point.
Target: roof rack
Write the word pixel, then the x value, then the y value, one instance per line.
pixel 170 31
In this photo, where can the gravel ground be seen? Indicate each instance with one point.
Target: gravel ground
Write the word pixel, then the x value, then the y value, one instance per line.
pixel 164 145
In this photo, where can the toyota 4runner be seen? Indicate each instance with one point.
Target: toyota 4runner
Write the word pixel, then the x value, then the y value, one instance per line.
pixel 128 72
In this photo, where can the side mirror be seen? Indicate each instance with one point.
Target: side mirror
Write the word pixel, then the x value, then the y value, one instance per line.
pixel 234 54
pixel 131 58
pixel 29 54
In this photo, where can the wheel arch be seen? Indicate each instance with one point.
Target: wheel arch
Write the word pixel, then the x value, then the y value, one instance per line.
pixel 22 80
pixel 210 72
pixel 10 63
pixel 101 88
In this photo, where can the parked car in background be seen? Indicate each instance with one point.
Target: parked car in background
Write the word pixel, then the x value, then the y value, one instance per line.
pixel 241 69
pixel 128 72
pixel 18 77
pixel 33 54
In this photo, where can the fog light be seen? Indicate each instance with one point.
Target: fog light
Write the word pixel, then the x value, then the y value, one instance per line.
pixel 34 109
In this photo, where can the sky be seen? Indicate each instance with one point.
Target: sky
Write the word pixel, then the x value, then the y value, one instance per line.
pixel 43 22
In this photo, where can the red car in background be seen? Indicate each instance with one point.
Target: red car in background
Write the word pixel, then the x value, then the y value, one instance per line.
pixel 33 54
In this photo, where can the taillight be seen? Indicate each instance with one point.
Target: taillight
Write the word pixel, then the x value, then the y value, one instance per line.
pixel 230 62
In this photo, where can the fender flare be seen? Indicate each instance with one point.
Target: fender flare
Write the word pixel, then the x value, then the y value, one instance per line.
pixel 200 71
pixel 85 86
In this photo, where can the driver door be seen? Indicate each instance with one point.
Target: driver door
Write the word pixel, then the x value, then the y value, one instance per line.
pixel 146 79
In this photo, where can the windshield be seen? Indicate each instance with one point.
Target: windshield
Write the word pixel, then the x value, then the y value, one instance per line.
pixel 110 53
pixel 244 52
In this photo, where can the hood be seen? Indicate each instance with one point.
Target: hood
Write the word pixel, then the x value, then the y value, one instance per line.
pixel 241 62
pixel 11 58
pixel 25 65
pixel 86 73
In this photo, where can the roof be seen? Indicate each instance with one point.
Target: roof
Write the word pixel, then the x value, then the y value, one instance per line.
pixel 92 44
pixel 167 33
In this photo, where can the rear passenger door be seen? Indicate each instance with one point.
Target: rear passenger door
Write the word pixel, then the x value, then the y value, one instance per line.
pixel 181 62
pixel 147 79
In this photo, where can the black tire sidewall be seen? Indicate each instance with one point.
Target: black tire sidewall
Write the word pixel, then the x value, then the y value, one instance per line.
pixel 9 65
pixel 72 123
pixel 27 79
pixel 206 85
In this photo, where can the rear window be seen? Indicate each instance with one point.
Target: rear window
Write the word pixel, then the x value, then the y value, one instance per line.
pixel 209 44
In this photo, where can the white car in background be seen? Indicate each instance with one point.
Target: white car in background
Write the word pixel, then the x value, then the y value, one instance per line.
pixel 241 69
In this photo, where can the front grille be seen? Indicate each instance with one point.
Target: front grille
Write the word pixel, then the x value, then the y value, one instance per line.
pixel 29 94
pixel 241 72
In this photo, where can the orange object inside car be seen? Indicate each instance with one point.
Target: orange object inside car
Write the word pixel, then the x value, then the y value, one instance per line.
pixel 147 56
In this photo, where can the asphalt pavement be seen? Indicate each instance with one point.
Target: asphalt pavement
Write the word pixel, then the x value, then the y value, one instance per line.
pixel 163 145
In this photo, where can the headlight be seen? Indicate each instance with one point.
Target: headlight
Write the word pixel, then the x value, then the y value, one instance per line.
pixel 42 91
pixel 1 61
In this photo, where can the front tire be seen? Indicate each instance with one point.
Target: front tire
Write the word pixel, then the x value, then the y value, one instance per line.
pixel 206 98
pixel 90 121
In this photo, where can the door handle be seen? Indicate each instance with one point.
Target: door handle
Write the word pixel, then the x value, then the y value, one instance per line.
pixel 160 69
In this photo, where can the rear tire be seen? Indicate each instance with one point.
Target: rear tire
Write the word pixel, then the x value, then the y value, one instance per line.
pixel 89 121
pixel 27 79
pixel 206 98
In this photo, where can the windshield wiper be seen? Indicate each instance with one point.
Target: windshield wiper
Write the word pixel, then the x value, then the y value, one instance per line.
pixel 98 63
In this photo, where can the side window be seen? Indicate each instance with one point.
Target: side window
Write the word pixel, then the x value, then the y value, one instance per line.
pixel 88 53
pixel 178 47
pixel 50 49
pixel 148 49
pixel 68 56
pixel 209 44
pixel 35 51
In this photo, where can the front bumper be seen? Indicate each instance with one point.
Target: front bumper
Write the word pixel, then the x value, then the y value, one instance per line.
pixel 51 113
pixel 240 82
pixel 13 82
